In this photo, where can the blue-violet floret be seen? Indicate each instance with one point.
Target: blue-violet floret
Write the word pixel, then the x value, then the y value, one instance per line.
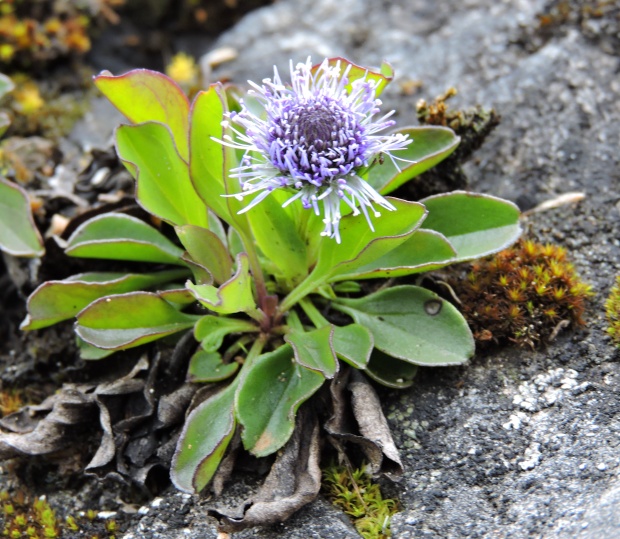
pixel 314 138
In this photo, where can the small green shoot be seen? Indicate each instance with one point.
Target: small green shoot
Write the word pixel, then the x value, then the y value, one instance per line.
pixel 354 492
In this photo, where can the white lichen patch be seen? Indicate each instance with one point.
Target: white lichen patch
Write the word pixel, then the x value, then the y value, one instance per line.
pixel 532 457
pixel 545 389
pixel 515 421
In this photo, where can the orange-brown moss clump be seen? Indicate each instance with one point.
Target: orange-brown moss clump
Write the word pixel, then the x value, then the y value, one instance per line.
pixel 524 294
pixel 11 400
pixel 34 32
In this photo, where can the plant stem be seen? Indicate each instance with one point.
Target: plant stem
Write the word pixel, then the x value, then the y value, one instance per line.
pixel 255 350
pixel 293 321
pixel 257 272
pixel 304 288
pixel 313 313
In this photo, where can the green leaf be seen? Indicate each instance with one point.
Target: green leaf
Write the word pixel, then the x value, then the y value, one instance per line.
pixel 216 226
pixel 163 185
pixel 353 344
pixel 235 243
pixel 277 235
pixel 201 275
pixel 211 161
pixel 179 297
pixel 314 350
pixel 207 249
pixel 268 397
pixel 430 146
pixel 148 96
pixel 234 296
pixel 90 352
pixel 425 250
pixel 382 77
pixel 117 236
pixel 128 320
pixel 203 441
pixel 55 301
pixel 361 245
pixel 476 225
pixel 208 367
pixel 18 234
pixel 210 330
pixel 391 372
pixel 413 324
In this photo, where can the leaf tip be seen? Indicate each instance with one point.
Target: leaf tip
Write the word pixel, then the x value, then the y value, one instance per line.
pixel 26 323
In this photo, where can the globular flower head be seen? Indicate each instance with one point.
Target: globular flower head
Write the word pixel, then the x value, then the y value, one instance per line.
pixel 314 137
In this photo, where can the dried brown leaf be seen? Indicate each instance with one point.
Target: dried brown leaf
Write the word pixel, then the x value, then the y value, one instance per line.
pixel 294 481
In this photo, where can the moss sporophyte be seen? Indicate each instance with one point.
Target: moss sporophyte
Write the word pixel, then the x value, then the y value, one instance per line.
pixel 274 199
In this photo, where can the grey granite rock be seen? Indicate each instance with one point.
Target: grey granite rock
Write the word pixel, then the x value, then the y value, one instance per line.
pixel 517 443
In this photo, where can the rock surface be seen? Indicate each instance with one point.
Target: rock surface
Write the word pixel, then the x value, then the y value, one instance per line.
pixel 517 443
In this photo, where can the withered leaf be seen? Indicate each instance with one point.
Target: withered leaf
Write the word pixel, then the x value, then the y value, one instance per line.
pixel 294 481
pixel 68 408
pixel 360 421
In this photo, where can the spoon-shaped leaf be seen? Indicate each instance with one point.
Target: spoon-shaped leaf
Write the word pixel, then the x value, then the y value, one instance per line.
pixel 422 251
pixel 268 398
pixel 275 231
pixel 208 367
pixel 163 185
pixel 475 225
pixel 55 301
pixel 359 245
pixel 314 350
pixel 390 372
pixel 412 324
pixel 353 344
pixel 128 320
pixel 430 146
pixel 234 296
pixel 207 249
pixel 117 236
pixel 211 161
pixel 148 96
pixel 203 441
pixel 210 330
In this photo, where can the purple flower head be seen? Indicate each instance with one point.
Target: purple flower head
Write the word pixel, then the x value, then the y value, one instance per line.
pixel 313 138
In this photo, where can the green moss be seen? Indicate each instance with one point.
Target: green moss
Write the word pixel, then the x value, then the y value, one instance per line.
pixel 526 294
pixel 354 492
pixel 612 310
pixel 46 108
pixel 25 518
